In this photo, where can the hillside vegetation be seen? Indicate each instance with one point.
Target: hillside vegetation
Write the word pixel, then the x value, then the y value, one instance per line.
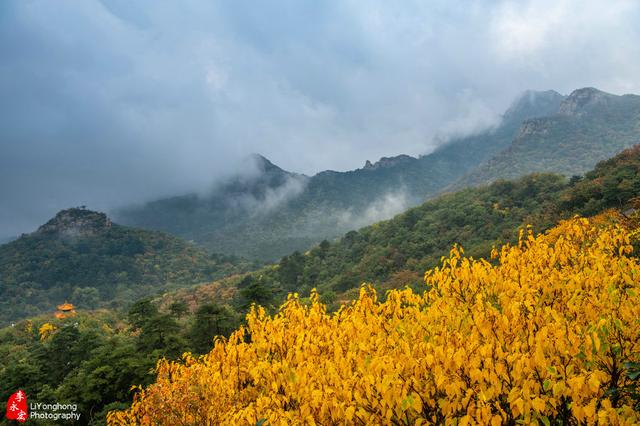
pixel 93 358
pixel 549 333
pixel 82 257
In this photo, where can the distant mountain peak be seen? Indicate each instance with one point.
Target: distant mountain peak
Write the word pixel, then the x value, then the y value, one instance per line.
pixel 581 99
pixel 77 221
pixel 385 162
pixel 588 92
pixel 546 101
pixel 263 164
pixel 532 96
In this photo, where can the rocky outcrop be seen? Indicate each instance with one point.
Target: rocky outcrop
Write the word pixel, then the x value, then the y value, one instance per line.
pixel 386 162
pixel 76 222
pixel 537 126
pixel 581 100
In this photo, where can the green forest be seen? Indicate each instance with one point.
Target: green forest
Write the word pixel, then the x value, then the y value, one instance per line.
pixel 80 256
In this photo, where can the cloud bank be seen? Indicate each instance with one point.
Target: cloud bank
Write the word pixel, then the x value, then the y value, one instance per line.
pixel 383 208
pixel 109 102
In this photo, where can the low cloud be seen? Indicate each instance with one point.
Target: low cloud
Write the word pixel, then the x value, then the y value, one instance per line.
pixel 272 198
pixel 474 116
pixel 112 102
pixel 382 208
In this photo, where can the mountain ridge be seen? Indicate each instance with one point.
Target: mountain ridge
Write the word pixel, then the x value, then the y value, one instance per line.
pixel 329 203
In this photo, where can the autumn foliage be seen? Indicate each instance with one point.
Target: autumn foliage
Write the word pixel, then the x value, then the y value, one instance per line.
pixel 542 333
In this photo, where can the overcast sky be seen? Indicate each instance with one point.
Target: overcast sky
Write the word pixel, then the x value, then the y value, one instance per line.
pixel 107 102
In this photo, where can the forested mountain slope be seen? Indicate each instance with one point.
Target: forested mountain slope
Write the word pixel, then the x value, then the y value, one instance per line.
pixel 81 256
pixel 589 126
pixel 396 252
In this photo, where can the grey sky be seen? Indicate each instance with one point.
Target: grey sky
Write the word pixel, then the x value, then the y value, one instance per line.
pixel 105 103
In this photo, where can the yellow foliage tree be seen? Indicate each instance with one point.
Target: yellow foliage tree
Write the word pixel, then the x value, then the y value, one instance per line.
pixel 46 330
pixel 539 335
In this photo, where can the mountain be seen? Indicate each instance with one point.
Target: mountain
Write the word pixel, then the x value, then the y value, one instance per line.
pixel 269 212
pixel 83 257
pixel 589 126
pixel 246 196
pixel 243 216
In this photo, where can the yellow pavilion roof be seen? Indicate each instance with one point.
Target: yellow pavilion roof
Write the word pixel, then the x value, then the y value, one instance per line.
pixel 65 307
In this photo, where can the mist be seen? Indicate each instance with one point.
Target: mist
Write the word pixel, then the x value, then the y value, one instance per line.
pixel 382 208
pixel 108 103
pixel 272 197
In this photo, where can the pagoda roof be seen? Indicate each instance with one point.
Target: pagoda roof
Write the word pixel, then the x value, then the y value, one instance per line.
pixel 66 307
